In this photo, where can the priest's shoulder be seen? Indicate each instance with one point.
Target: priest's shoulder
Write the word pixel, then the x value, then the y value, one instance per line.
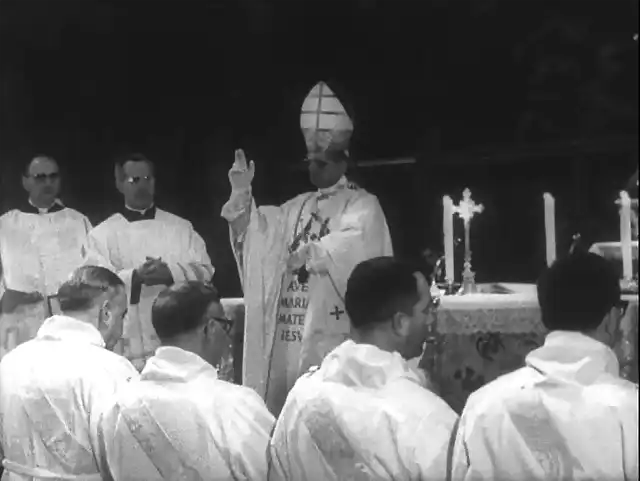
pixel 492 394
pixel 173 219
pixel 237 395
pixel 360 194
pixel 75 214
pixel 109 222
pixel 9 215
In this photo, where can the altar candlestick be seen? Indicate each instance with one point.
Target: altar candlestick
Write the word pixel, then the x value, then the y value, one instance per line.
pixel 466 210
pixel 550 227
pixel 447 227
pixel 625 235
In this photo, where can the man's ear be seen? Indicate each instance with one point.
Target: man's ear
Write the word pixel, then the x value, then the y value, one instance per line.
pixel 24 183
pixel 421 282
pixel 119 177
pixel 400 324
pixel 612 321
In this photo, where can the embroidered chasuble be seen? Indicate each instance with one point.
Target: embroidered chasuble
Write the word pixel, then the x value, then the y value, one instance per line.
pixel 52 389
pixel 566 415
pixel 123 242
pixel 180 421
pixel 291 325
pixel 39 249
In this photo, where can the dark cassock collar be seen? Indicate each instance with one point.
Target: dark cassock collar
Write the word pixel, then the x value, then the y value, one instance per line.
pixel 29 208
pixel 133 215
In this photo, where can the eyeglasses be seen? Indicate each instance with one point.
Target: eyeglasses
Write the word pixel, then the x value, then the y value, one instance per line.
pixel 136 179
pixel 41 178
pixel 227 324
pixel 621 306
pixel 433 306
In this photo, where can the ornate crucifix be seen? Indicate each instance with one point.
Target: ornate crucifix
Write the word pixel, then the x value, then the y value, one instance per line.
pixel 466 210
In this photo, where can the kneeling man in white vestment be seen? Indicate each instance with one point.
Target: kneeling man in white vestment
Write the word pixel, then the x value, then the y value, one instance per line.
pixel 179 421
pixel 295 259
pixel 567 414
pixel 149 249
pixel 41 243
pixel 365 413
pixel 52 388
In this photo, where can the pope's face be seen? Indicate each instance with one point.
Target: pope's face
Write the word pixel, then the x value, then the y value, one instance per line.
pixel 42 181
pixel 137 183
pixel 325 173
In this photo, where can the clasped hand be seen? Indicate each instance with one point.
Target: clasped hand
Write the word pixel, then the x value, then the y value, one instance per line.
pixel 154 272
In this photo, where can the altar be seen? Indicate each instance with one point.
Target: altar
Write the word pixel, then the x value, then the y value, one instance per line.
pixel 484 335
pixel 480 337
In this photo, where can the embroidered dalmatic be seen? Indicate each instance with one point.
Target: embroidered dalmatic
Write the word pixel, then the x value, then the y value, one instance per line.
pixel 364 414
pixel 123 242
pixel 290 325
pixel 566 415
pixel 180 421
pixel 39 249
pixel 52 389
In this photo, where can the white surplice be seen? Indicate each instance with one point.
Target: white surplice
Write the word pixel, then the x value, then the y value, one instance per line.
pixel 123 246
pixel 288 327
pixel 566 415
pixel 38 252
pixel 179 421
pixel 364 414
pixel 52 389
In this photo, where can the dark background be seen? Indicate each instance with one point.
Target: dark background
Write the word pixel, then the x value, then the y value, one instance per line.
pixel 508 97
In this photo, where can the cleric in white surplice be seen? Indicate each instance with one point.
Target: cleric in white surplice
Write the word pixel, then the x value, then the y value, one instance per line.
pixel 180 421
pixel 52 388
pixel 41 243
pixel 567 414
pixel 149 249
pixel 295 259
pixel 365 413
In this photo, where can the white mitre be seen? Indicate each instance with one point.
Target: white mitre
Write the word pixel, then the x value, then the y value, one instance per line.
pixel 324 121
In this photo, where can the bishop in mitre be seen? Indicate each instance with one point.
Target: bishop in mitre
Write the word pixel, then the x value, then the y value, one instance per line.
pixel 150 249
pixel 294 260
pixel 41 243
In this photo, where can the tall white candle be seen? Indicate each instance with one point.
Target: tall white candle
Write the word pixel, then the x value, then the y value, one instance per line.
pixel 550 227
pixel 625 235
pixel 447 227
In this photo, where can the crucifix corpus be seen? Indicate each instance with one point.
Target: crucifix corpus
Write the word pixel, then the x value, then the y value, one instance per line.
pixel 466 210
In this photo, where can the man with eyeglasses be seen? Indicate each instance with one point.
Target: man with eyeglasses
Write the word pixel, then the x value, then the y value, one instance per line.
pixel 567 414
pixel 41 243
pixel 294 260
pixel 180 420
pixel 149 248
pixel 365 413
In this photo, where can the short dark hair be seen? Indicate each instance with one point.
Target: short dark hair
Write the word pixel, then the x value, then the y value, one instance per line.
pixel 27 165
pixel 379 288
pixel 182 308
pixel 121 160
pixel 576 292
pixel 85 286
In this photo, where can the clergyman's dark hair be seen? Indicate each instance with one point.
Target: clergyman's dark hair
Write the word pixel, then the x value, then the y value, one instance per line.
pixel 27 164
pixel 576 292
pixel 85 286
pixel 379 288
pixel 121 160
pixel 182 308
